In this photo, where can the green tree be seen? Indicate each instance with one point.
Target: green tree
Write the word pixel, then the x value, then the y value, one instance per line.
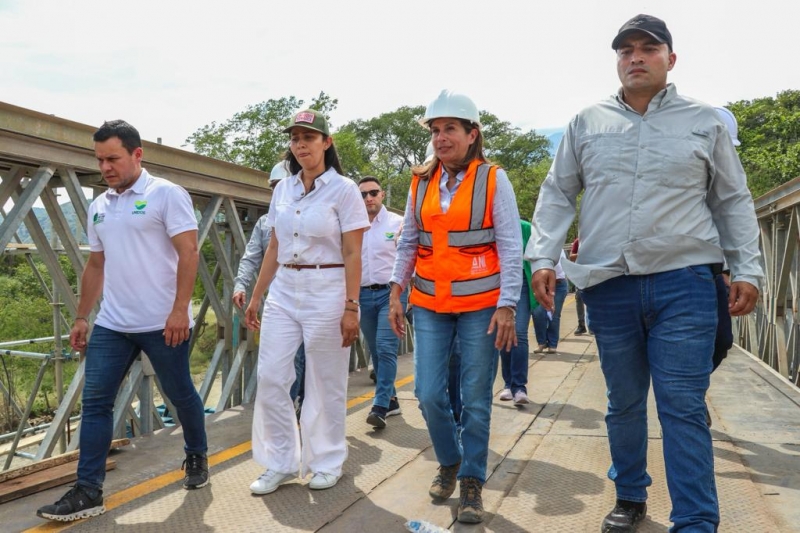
pixel 254 137
pixel 769 129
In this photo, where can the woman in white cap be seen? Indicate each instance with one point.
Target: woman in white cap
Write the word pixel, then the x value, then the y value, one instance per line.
pixel 462 234
pixel 313 269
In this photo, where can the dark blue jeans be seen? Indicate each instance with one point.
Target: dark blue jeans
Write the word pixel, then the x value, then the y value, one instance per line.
pixel 660 327
pixel 299 386
pixel 382 341
pixel 547 329
pixel 514 363
pixel 109 355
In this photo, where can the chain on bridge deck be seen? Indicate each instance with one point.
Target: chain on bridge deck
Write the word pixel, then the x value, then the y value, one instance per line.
pixel 547 463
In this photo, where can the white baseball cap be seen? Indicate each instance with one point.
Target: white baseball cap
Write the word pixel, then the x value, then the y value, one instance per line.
pixel 730 122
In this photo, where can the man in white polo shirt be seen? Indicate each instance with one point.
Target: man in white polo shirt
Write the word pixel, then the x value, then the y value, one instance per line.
pixel 378 252
pixel 143 237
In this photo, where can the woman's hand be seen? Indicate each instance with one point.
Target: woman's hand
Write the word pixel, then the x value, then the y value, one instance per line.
pixel 505 322
pixel 397 316
pixel 251 319
pixel 349 327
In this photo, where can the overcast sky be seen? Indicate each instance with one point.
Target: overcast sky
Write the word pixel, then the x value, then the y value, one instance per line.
pixel 172 66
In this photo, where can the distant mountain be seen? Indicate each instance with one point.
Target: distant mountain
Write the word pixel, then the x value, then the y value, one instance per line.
pixel 47 226
pixel 554 135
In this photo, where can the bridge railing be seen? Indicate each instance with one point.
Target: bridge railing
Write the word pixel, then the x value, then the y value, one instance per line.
pixel 772 330
pixel 40 155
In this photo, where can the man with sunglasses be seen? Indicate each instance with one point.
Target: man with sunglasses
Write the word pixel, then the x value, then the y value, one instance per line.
pixel 378 252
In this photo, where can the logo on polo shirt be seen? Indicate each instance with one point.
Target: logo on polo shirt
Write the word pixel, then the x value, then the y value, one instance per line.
pixel 139 205
pixel 98 218
pixel 389 235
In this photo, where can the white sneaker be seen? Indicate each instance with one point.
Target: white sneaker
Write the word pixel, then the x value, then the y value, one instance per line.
pixel 321 480
pixel 506 395
pixel 520 398
pixel 269 481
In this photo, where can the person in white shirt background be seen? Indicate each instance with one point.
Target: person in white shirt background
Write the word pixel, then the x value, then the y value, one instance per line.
pixel 378 253
pixel 250 264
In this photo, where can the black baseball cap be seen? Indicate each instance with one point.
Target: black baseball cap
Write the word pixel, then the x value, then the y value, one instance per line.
pixel 655 27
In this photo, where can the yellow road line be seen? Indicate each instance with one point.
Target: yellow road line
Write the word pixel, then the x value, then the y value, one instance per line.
pixel 151 485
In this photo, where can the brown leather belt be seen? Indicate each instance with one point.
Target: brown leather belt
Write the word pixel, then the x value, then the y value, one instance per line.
pixel 304 267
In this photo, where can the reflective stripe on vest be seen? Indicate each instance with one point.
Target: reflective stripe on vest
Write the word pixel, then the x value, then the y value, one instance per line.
pixel 476 234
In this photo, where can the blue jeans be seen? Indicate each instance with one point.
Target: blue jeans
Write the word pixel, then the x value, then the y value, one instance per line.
pixel 547 329
pixel 454 381
pixel 382 342
pixel 660 327
pixel 514 363
pixel 109 355
pixel 298 388
pixel 434 334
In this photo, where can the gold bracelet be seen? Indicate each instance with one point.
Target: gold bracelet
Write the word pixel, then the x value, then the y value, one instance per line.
pixel 349 301
pixel 81 318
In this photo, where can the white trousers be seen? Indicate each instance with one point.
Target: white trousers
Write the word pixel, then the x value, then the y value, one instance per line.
pixel 302 306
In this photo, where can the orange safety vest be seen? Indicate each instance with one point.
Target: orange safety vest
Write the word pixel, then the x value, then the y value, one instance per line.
pixel 458 268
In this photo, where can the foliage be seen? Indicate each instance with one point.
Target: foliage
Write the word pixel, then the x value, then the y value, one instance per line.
pixel 254 137
pixel 769 130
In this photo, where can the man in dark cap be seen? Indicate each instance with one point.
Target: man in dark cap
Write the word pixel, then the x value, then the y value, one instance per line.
pixel 665 199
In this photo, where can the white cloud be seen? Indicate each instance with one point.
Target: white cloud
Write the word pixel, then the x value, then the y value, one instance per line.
pixel 172 67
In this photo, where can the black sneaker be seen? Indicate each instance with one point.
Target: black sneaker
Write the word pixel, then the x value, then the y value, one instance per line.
pixel 196 467
pixel 377 417
pixel 79 502
pixel 394 408
pixel 580 330
pixel 625 517
pixel 372 376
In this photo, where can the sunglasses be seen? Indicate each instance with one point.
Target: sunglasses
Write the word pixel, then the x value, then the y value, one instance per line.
pixel 374 193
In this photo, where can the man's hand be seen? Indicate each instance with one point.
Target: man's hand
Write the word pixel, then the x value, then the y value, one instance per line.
pixel 544 288
pixel 239 299
pixel 742 299
pixel 504 321
pixel 176 329
pixel 77 336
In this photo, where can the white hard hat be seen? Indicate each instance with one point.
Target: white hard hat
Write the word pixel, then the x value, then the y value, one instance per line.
pixel 450 104
pixel 730 122
pixel 280 171
pixel 428 153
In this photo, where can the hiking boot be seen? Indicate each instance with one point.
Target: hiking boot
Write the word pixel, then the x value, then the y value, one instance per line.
pixel 625 517
pixel 444 484
pixel 470 503
pixel 394 408
pixel 196 467
pixel 580 330
pixel 377 417
pixel 79 502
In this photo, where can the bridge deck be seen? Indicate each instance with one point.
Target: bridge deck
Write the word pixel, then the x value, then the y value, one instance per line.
pixel 547 463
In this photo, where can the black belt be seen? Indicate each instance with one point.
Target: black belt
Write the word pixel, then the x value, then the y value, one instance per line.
pixel 303 267
pixel 375 286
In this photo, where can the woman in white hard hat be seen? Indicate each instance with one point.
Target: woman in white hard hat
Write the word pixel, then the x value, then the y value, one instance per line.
pixel 313 269
pixel 462 234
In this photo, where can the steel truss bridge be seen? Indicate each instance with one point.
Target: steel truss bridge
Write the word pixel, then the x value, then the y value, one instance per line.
pixel 41 153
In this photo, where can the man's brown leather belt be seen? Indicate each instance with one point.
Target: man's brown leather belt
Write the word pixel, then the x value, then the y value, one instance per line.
pixel 303 267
